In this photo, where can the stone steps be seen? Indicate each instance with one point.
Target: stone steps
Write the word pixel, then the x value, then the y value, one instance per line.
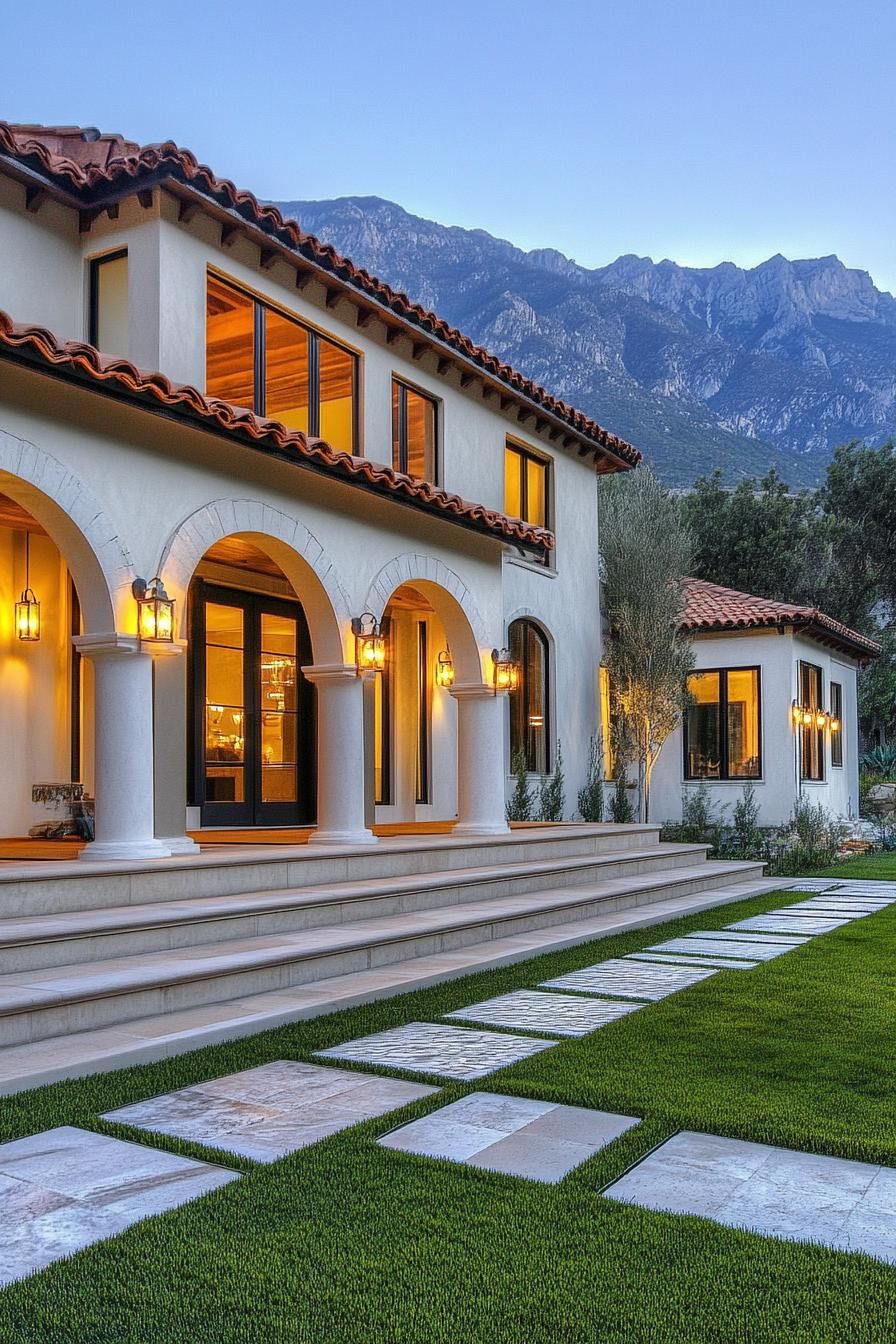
pixel 42 941
pixel 161 1034
pixel 52 1001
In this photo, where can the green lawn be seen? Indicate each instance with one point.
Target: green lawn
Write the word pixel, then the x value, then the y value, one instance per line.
pixel 880 866
pixel 349 1242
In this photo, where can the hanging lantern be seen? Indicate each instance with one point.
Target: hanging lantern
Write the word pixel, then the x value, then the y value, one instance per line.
pixel 155 611
pixel 370 643
pixel 807 718
pixel 505 671
pixel 835 725
pixel 28 607
pixel 445 669
pixel 820 719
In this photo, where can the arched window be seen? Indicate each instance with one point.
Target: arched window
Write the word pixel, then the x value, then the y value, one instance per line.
pixel 530 728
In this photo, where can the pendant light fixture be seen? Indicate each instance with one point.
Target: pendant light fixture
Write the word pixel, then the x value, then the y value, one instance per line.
pixel 28 607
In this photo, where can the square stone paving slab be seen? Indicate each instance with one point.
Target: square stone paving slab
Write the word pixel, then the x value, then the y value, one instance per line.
pixel 773 1191
pixel 540 1140
pixel 275 1109
pixel 695 944
pixel 66 1188
pixel 633 980
pixel 780 921
pixel 835 905
pixel 451 1052
pixel 554 1014
pixel 670 958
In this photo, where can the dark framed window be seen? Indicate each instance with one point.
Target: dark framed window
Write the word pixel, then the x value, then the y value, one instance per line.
pixel 260 358
pixel 530 726
pixel 811 736
pixel 414 432
pixel 527 485
pixel 107 302
pixel 836 723
pixel 382 724
pixel 424 718
pixel 723 724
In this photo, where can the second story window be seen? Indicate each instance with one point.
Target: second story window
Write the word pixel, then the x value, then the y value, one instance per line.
pixel 258 357
pixel 527 485
pixel 107 326
pixel 414 417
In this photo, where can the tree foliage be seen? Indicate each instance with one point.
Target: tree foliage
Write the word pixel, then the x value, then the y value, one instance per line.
pixel 645 552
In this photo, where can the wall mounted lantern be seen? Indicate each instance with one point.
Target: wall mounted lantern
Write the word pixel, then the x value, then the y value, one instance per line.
pixel 505 671
pixel 835 725
pixel 155 611
pixel 445 669
pixel 28 607
pixel 370 643
pixel 821 718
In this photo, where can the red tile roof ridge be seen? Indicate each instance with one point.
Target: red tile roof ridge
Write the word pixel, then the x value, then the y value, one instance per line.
pixel 709 606
pixel 77 357
pixel 24 142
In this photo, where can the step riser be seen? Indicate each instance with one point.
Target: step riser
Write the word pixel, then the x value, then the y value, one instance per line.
pixel 94 891
pixel 36 956
pixel 116 1009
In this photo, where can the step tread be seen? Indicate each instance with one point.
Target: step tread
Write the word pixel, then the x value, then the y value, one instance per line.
pixel 24 990
pixel 16 929
pixel 161 1035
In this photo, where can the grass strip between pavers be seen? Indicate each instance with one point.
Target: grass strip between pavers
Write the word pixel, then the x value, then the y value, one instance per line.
pixel 345 1241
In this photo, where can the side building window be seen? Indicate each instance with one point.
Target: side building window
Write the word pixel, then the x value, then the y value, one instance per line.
pixel 414 443
pixel 811 734
pixel 530 729
pixel 107 321
pixel 836 723
pixel 260 358
pixel 527 486
pixel 722 725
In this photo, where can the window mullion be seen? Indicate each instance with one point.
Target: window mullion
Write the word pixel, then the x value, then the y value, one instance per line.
pixel 259 359
pixel 723 725
pixel 313 385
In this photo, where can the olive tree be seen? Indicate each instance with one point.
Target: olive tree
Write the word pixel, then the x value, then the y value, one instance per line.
pixel 645 553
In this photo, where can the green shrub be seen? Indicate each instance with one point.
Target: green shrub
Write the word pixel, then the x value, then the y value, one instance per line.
pixel 591 797
pixel 552 794
pixel 621 810
pixel 748 837
pixel 881 761
pixel 868 779
pixel 522 800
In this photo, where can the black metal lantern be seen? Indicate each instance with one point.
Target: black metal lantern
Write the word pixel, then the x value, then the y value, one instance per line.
pixel 28 607
pixel 505 671
pixel 155 611
pixel 370 643
pixel 445 669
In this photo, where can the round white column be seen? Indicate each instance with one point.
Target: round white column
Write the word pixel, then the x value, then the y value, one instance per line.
pixel 123 748
pixel 340 756
pixel 480 761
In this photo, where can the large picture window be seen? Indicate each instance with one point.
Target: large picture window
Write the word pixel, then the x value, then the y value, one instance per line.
pixel 836 723
pixel 811 736
pixel 529 703
pixel 260 358
pixel 527 486
pixel 722 725
pixel 414 418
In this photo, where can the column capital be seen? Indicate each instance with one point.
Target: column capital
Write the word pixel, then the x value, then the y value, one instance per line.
pixel 475 691
pixel 330 672
pixel 113 645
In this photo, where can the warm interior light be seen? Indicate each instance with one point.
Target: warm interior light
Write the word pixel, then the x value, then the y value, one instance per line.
pixel 445 669
pixel 505 671
pixel 155 611
pixel 370 643
pixel 28 607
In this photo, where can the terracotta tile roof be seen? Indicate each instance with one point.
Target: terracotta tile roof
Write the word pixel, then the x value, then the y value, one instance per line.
pixel 76 362
pixel 709 607
pixel 100 168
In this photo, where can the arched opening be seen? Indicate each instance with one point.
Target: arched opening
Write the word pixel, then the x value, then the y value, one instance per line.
pixel 530 703
pixel 413 716
pixel 251 710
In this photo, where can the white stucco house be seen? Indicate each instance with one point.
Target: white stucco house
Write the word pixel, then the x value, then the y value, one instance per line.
pixel 772 703
pixel 193 390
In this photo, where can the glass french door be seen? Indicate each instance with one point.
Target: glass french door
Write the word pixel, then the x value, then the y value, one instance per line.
pixel 253 711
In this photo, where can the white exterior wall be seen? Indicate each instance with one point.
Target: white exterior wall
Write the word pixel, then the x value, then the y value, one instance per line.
pixel 778 657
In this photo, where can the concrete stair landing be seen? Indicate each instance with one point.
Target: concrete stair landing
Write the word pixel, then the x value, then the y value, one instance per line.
pixel 115 964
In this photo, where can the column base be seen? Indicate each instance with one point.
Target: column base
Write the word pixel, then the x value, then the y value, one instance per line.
pixel 342 838
pixel 113 849
pixel 485 828
pixel 178 844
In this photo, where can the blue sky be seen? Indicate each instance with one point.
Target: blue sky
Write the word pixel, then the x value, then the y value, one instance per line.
pixel 701 131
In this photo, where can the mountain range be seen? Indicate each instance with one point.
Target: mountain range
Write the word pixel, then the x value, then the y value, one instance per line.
pixel 700 368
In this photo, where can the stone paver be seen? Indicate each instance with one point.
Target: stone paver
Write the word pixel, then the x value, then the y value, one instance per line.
pixel 536 1139
pixel 774 1191
pixel 810 884
pixel 836 905
pixel 275 1109
pixel 554 1014
pixel 670 958
pixel 729 947
pixel 632 980
pixel 781 922
pixel 66 1188
pixel 451 1052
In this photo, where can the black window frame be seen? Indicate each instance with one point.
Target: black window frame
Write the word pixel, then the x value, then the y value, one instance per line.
pixel 402 464
pixel 94 266
pixel 383 796
pixel 527 454
pixel 805 731
pixel 314 336
pixel 724 776
pixel 519 697
pixel 837 713
pixel 423 770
